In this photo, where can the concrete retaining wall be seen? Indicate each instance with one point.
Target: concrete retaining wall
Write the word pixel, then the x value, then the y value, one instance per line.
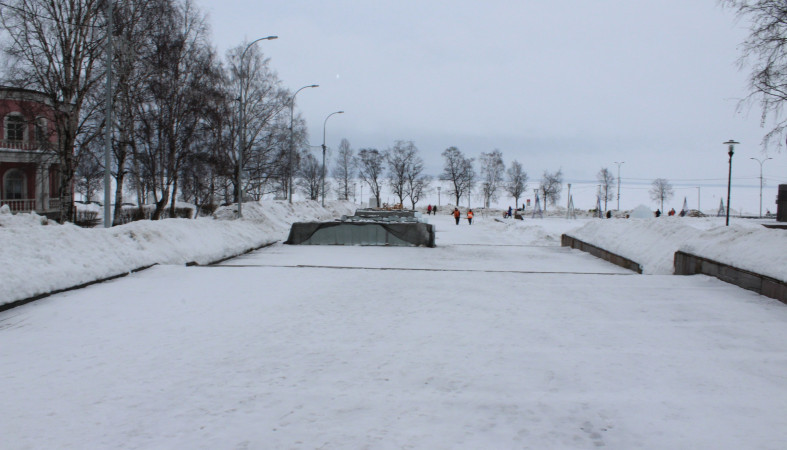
pixel 569 241
pixel 688 264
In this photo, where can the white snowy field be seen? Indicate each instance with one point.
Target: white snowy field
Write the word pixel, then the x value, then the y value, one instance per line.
pixel 497 338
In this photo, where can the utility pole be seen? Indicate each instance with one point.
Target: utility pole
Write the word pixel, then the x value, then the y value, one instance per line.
pixel 760 161
pixel 108 119
pixel 731 146
pixel 619 163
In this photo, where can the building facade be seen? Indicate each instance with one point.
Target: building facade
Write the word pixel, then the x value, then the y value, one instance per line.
pixel 29 171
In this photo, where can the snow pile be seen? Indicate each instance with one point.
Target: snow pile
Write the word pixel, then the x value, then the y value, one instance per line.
pixel 642 212
pixel 653 242
pixel 759 250
pixel 40 259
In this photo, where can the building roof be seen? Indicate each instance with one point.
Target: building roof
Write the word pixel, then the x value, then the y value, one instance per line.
pixel 17 93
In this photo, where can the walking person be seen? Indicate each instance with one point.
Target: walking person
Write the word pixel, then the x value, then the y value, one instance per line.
pixel 470 216
pixel 429 210
pixel 457 215
pixel 434 210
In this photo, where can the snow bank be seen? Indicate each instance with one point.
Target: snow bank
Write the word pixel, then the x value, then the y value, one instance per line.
pixel 653 243
pixel 41 256
pixel 759 250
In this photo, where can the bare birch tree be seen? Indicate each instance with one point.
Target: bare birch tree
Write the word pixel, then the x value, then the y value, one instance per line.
pixel 370 170
pixel 400 159
pixel 309 176
pixel 492 172
pixel 343 171
pixel 516 184
pixel 459 171
pixel 660 190
pixel 551 187
pixel 765 51
pixel 606 180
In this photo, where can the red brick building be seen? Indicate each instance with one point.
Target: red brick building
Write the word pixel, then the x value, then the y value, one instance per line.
pixel 29 175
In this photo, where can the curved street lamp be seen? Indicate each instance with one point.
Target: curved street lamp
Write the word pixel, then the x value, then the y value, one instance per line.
pixel 241 123
pixel 731 146
pixel 619 163
pixel 323 153
pixel 760 161
pixel 292 141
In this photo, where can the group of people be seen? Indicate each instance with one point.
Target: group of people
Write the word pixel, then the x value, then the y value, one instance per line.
pixel 458 215
pixel 670 213
pixel 432 209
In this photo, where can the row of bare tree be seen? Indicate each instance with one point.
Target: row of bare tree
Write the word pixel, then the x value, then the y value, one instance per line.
pixel 401 169
pixel 174 131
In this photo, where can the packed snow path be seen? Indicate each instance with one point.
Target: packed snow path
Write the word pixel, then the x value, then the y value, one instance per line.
pixel 496 340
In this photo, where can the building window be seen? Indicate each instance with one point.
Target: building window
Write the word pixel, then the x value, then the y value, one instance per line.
pixel 14 185
pixel 14 128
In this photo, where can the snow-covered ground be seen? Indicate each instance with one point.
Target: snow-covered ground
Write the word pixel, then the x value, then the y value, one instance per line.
pixel 47 256
pixel 41 256
pixel 497 338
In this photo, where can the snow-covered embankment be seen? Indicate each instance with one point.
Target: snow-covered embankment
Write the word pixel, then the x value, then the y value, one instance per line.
pixel 41 256
pixel 653 243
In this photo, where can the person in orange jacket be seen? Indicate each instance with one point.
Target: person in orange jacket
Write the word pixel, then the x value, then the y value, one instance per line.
pixel 470 216
pixel 457 215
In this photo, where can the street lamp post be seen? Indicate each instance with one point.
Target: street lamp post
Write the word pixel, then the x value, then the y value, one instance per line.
pixel 761 162
pixel 241 123
pixel 438 196
pixel 619 163
pixel 323 153
pixel 731 146
pixel 108 120
pixel 292 141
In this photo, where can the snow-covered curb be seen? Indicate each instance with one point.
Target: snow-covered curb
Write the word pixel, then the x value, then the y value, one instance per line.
pixel 40 256
pixel 653 243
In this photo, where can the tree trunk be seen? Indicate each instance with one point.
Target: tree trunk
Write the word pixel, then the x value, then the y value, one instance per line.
pixel 119 180
pixel 161 204
pixel 172 212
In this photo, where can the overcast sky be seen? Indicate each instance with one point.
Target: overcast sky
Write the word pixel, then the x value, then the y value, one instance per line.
pixel 568 84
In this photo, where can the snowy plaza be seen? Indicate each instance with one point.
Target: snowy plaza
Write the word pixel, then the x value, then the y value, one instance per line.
pixel 496 338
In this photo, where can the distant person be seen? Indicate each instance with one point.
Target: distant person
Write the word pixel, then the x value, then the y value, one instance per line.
pixel 470 216
pixel 429 210
pixel 457 215
pixel 658 213
pixel 510 211
pixel 609 214
pixel 434 210
pixel 672 212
